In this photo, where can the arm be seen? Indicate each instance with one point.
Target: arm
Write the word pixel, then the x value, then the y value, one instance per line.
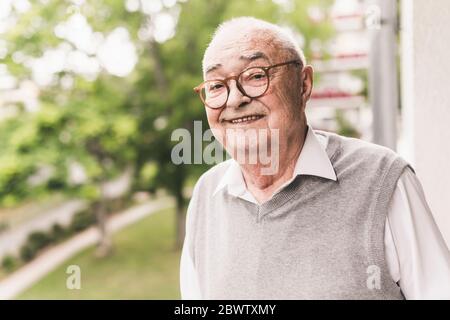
pixel 417 255
pixel 188 277
pixel 189 287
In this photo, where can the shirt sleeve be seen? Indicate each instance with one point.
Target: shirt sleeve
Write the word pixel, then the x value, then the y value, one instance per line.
pixel 188 277
pixel 417 255
pixel 189 287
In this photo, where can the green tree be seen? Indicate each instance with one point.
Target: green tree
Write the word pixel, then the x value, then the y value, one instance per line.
pixel 88 123
pixel 107 123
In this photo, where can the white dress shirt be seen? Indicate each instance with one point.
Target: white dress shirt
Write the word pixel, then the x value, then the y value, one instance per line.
pixel 417 255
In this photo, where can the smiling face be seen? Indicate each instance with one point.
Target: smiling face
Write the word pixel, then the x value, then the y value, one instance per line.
pixel 280 108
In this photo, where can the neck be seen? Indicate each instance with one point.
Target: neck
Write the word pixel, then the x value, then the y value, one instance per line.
pixel 263 186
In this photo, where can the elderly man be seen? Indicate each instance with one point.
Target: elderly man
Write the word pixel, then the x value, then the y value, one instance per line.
pixel 339 219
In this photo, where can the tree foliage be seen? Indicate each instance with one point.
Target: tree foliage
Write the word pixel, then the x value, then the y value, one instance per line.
pixel 107 123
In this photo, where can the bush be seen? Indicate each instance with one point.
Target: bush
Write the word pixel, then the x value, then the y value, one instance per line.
pixel 58 233
pixel 39 240
pixel 81 221
pixel 26 253
pixel 35 242
pixel 9 263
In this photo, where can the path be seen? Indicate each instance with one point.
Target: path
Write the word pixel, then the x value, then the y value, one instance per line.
pixel 12 240
pixel 29 274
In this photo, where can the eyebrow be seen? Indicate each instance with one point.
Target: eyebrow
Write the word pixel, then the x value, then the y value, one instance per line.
pixel 250 57
pixel 254 56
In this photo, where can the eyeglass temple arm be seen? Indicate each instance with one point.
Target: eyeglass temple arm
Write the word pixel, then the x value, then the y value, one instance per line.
pixel 297 62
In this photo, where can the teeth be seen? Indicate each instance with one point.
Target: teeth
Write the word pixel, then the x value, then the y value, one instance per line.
pixel 244 119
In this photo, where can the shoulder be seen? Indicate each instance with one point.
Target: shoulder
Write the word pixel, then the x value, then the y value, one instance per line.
pixel 354 146
pixel 358 151
pixel 203 192
pixel 210 179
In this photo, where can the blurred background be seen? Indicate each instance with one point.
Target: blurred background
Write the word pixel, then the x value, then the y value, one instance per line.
pixel 91 91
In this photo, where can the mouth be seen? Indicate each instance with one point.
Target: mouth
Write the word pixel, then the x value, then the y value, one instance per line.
pixel 245 119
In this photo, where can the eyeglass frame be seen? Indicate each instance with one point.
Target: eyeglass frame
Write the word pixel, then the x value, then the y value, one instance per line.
pixel 238 85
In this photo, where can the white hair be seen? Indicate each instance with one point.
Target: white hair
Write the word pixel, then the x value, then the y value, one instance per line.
pixel 265 30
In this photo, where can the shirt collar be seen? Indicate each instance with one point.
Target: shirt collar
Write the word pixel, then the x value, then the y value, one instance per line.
pixel 313 160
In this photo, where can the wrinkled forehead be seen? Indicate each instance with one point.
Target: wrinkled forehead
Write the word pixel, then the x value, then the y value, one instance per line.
pixel 239 48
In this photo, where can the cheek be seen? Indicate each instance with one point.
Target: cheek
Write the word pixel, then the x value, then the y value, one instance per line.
pixel 280 106
pixel 213 117
pixel 287 97
pixel 214 124
pixel 290 101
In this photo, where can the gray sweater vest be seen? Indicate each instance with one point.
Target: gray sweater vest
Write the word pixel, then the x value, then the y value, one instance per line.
pixel 315 239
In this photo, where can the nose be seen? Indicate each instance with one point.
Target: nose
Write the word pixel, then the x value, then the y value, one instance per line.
pixel 236 98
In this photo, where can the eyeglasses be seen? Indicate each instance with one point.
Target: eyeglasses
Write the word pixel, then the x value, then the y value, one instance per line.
pixel 252 82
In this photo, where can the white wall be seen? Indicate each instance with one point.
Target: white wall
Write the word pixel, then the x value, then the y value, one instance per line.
pixel 425 58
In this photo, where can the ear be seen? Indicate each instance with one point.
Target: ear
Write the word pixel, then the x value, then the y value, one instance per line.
pixel 307 82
